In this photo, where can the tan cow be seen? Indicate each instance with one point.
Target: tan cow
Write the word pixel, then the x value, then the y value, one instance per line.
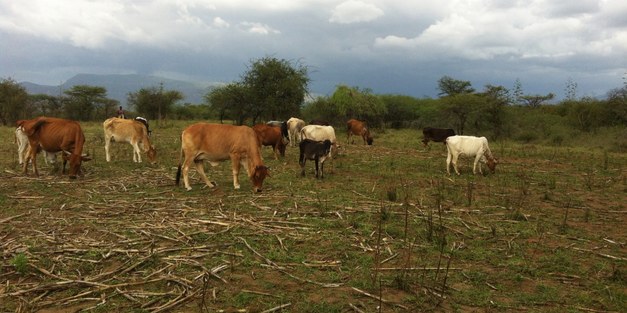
pixel 220 142
pixel 131 131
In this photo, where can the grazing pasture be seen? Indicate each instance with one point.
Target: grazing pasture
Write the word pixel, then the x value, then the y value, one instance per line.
pixel 387 228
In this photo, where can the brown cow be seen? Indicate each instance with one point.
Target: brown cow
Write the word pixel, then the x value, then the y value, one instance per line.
pixel 355 127
pixel 54 135
pixel 219 142
pixel 131 131
pixel 436 135
pixel 271 136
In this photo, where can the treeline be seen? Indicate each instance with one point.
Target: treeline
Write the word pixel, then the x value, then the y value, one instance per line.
pixel 274 89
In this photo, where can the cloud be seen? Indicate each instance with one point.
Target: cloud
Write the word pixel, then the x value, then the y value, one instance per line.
pixel 220 23
pixel 355 11
pixel 259 28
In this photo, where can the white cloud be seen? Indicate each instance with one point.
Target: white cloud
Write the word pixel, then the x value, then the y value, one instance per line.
pixel 355 11
pixel 259 28
pixel 220 23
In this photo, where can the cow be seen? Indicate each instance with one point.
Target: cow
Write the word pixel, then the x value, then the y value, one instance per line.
pixel 283 127
pixel 321 133
pixel 355 127
pixel 436 135
pixel 469 146
pixel 317 151
pixel 131 131
pixel 144 121
pixel 220 142
pixel 55 135
pixel 23 148
pixel 319 122
pixel 294 125
pixel 271 136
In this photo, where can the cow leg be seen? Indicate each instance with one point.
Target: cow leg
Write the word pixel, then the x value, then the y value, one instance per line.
pixel 455 157
pixel 137 157
pixel 317 160
pixel 33 158
pixel 235 164
pixel 200 168
pixel 448 163
pixel 185 171
pixel 275 149
pixel 107 144
pixel 322 159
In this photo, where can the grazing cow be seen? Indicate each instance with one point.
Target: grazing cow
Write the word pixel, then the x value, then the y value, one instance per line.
pixel 55 135
pixel 319 122
pixel 23 148
pixel 219 142
pixel 271 136
pixel 355 127
pixel 436 135
pixel 320 133
pixel 294 125
pixel 144 121
pixel 469 146
pixel 318 151
pixel 131 131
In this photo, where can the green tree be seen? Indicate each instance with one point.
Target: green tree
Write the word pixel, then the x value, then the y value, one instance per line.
pixel 153 102
pixel 277 88
pixel 352 102
pixel 617 106
pixel 231 101
pixel 460 107
pixel 400 110
pixel 13 99
pixel 449 86
pixel 82 100
pixel 497 98
pixel 45 105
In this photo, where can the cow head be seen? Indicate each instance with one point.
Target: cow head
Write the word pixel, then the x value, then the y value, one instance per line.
pixel 75 161
pixel 369 140
pixel 492 162
pixel 260 173
pixel 152 155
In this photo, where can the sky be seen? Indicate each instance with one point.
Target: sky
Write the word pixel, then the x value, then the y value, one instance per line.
pixel 387 46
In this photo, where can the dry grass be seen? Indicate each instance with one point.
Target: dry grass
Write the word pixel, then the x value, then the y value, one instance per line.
pixel 385 229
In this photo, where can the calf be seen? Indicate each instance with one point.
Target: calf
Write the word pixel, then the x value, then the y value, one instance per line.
pixel 271 136
pixel 321 133
pixel 436 134
pixel 318 151
pixel 355 127
pixel 219 142
pixel 294 125
pixel 131 131
pixel 470 146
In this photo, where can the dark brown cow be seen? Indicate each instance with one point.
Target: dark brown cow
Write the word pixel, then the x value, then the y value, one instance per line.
pixel 355 127
pixel 54 135
pixel 436 135
pixel 219 142
pixel 318 151
pixel 271 136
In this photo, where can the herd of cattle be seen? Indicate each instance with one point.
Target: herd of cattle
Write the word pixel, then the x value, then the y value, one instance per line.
pixel 220 142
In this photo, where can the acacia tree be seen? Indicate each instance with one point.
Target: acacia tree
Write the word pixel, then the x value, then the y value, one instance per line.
pixel 362 104
pixel 449 86
pixel 12 101
pixel 460 107
pixel 276 87
pixel 535 101
pixel 153 102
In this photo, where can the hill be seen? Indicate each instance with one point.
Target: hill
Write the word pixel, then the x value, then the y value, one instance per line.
pixel 119 86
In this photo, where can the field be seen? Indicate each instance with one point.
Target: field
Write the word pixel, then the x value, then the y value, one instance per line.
pixel 386 231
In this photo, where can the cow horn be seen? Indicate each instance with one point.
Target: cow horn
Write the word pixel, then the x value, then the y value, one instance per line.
pixel 67 152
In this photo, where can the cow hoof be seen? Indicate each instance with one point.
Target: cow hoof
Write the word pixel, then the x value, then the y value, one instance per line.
pixel 188 188
pixel 213 184
pixel 236 187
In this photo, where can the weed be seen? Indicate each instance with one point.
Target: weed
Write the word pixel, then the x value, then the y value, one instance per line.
pixel 20 262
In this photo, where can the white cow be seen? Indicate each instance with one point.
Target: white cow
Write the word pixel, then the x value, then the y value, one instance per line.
pixel 469 146
pixel 321 133
pixel 131 131
pixel 23 148
pixel 294 125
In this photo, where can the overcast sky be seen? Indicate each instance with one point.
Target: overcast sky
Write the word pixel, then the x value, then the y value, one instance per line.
pixel 388 46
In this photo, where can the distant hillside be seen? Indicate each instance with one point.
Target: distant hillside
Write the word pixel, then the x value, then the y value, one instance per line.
pixel 119 86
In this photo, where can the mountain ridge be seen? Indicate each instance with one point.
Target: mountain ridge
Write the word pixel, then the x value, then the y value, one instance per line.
pixel 118 86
